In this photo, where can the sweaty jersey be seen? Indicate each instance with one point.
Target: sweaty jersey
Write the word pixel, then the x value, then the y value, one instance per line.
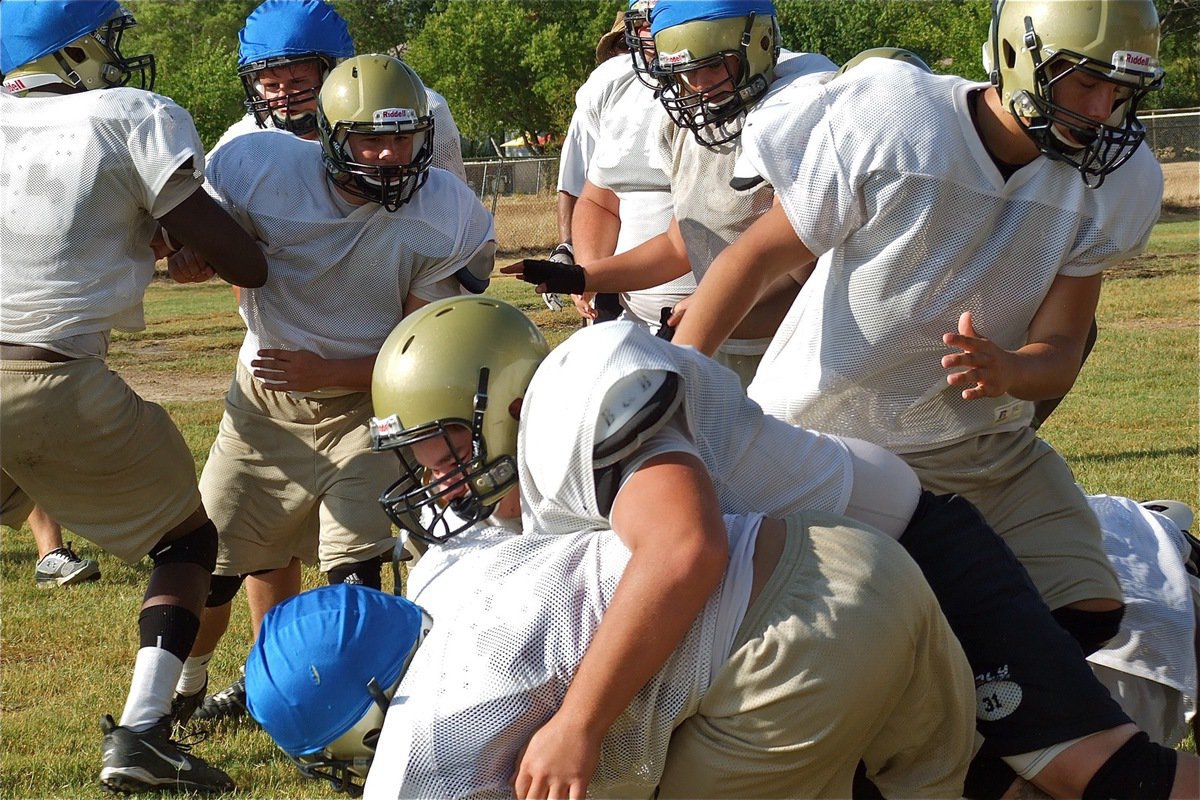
pixel 447 147
pixel 712 214
pixel 624 119
pixel 338 273
pixel 513 616
pixel 757 463
pixel 883 176
pixel 85 177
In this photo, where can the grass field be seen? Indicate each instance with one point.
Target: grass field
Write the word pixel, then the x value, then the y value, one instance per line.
pixel 1130 427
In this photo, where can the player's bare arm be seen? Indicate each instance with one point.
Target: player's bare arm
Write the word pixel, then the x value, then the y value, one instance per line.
pixel 199 223
pixel 650 264
pixel 596 224
pixel 1046 367
pixel 668 517
pixel 768 251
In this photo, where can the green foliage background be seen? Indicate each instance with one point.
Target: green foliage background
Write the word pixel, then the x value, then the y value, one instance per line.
pixel 514 65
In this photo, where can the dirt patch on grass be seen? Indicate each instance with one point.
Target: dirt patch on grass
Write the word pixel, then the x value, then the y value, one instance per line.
pixel 140 363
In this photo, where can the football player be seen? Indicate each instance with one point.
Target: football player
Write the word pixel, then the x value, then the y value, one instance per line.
pixel 950 216
pixel 709 213
pixel 664 434
pixel 285 51
pixel 93 167
pixel 515 620
pixel 362 230
pixel 626 197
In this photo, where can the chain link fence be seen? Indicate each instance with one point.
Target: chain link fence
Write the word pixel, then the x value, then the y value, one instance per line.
pixel 1173 134
pixel 522 195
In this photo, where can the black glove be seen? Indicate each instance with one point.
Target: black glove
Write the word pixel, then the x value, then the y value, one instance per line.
pixel 665 331
pixel 564 278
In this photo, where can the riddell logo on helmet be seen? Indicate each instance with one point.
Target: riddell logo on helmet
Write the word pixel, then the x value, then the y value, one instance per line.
pixel 385 116
pixel 14 85
pixel 1129 60
pixel 675 59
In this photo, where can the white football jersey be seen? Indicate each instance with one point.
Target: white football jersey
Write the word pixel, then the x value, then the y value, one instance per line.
pixel 85 177
pixel 338 274
pixel 758 463
pixel 572 160
pixel 447 145
pixel 1157 635
pixel 882 174
pixel 625 119
pixel 512 618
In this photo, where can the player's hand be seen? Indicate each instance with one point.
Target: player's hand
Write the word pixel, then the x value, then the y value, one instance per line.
pixel 983 368
pixel 549 276
pixel 583 304
pixel 290 370
pixel 557 763
pixel 187 267
pixel 678 311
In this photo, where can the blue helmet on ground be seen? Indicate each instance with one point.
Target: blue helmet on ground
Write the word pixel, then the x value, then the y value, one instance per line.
pixel 283 33
pixel 322 671
pixel 73 43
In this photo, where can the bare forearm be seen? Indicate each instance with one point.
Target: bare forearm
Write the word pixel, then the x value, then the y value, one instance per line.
pixel 650 264
pixel 595 230
pixel 566 210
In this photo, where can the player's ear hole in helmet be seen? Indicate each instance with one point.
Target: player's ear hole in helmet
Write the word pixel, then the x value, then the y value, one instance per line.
pixel 713 66
pixel 450 374
pixel 375 96
pixel 69 47
pixel 1036 50
pixel 296 43
pixel 322 672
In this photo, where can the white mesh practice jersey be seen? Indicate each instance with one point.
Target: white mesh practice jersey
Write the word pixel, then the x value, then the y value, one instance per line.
pixel 710 213
pixel 447 145
pixel 757 463
pixel 84 177
pixel 512 618
pixel 883 176
pixel 625 120
pixel 1157 635
pixel 338 274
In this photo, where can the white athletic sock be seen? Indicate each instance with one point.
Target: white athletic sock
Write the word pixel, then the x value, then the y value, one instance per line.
pixel 195 673
pixel 155 674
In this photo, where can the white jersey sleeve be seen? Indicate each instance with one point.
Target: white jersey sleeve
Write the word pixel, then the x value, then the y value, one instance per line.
pixel 572 160
pixel 881 172
pixel 758 464
pixel 513 617
pixel 85 177
pixel 447 142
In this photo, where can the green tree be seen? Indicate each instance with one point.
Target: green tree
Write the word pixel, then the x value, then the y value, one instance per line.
pixel 382 26
pixel 510 65
pixel 195 49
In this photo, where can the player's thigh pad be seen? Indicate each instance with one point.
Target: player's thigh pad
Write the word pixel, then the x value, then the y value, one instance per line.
pixel 843 656
pixel 96 457
pixel 1033 686
pixel 1028 495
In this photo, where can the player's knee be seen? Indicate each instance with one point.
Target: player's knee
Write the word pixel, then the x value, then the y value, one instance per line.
pixel 367 573
pixel 1091 629
pixel 222 590
pixel 198 547
pixel 1138 770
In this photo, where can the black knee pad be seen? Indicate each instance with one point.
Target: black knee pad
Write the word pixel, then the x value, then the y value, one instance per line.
pixel 1139 770
pixel 988 777
pixel 1092 629
pixel 365 573
pixel 222 590
pixel 198 547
